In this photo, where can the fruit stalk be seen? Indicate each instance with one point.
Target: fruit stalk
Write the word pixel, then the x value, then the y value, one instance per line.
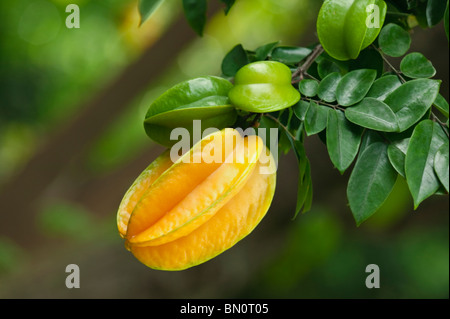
pixel 318 50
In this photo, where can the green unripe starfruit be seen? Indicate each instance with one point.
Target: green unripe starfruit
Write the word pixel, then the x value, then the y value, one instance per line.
pixel 262 87
pixel 203 98
pixel 346 27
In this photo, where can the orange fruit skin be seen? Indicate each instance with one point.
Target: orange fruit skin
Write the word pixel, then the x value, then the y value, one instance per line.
pixel 138 188
pixel 192 212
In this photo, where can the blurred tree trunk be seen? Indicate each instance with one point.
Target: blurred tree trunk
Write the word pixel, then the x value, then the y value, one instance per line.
pixel 18 196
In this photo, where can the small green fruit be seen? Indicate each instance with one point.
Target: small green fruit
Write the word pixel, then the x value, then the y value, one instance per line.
pixel 263 87
pixel 346 27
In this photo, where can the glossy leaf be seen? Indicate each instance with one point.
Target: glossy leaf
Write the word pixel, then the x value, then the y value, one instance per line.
pixel 397 155
pixel 300 109
pixel 304 185
pixel 415 65
pixel 420 13
pixel 316 118
pixel 354 86
pixel 294 122
pixel 441 165
pixel 312 70
pixel 435 11
pixel 284 145
pixel 308 87
pixel 267 123
pixel 425 142
pixel 147 7
pixel 204 98
pixel 370 58
pixel 195 12
pixel 371 182
pixel 327 87
pixel 326 67
pixel 290 55
pixel 344 29
pixel 383 86
pixel 234 60
pixel 262 52
pixel 373 114
pixel 304 191
pixel 442 105
pixel 372 15
pixel 343 140
pixel 369 137
pixel 412 100
pixel 394 40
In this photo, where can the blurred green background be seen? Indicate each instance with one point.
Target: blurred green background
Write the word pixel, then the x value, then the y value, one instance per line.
pixel 72 102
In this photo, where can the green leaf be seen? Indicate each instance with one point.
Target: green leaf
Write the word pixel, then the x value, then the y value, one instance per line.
pixel 313 72
pixel 203 98
pixel 300 109
pixel 371 182
pixel 195 12
pixel 412 100
pixel 304 191
pixel 290 55
pixel 267 123
pixel 228 5
pixel 283 142
pixel 294 122
pixel 343 140
pixel 304 186
pixel 441 165
pixel 369 58
pixel 262 52
pixel 420 13
pixel 308 87
pixel 284 116
pixel 415 65
pixel 442 105
pixel 354 86
pixel 373 114
pixel 326 67
pixel 394 40
pixel 309 197
pixel 234 60
pixel 435 11
pixel 369 137
pixel 327 87
pixel 425 142
pixel 383 86
pixel 316 119
pixel 147 7
pixel 397 155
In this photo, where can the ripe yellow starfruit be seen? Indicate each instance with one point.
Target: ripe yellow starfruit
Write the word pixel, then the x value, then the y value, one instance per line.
pixel 177 215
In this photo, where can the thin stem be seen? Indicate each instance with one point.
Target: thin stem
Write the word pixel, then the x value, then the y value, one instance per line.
pixel 442 124
pixel 402 79
pixel 281 124
pixel 301 70
pixel 311 77
pixel 336 107
pixel 306 74
pixel 255 122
